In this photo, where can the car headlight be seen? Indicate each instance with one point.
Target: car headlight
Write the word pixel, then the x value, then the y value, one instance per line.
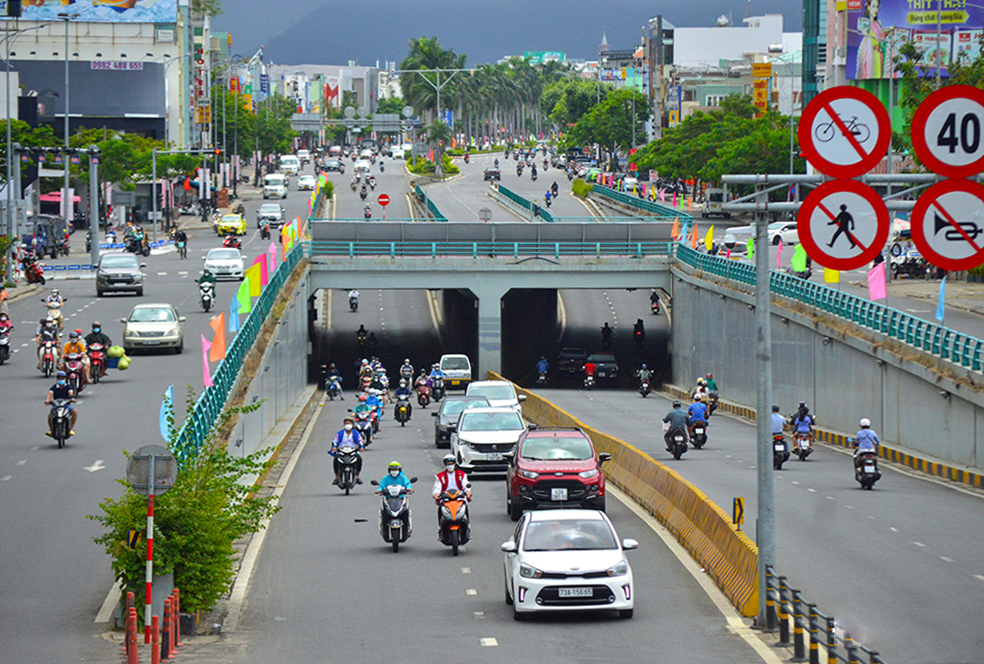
pixel 173 332
pixel 528 572
pixel 621 569
pixel 528 474
pixel 130 333
pixel 463 441
pixel 586 474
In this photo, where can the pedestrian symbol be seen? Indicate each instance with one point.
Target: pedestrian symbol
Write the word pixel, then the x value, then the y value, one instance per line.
pixel 843 208
pixel 845 224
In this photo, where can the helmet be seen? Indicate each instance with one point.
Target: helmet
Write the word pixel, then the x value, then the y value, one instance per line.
pixel 49 321
pixel 701 382
pixel 448 458
pixel 802 404
pixel 365 361
pixel 865 423
pixel 403 383
pixel 406 361
pixel 697 397
pixel 78 332
pixel 643 365
pixel 96 324
pixel 775 409
pixel 676 403
pixel 62 374
pixel 54 291
pixel 73 335
pixel 395 465
pixel 709 376
pixel 348 420
pixel 362 397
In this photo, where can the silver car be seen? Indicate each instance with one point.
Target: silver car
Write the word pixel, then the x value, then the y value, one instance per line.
pixel 272 212
pixel 151 326
pixel 119 273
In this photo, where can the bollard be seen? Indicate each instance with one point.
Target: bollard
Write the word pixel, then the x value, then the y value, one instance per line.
pixel 172 622
pixel 783 608
pixel 165 631
pixel 155 640
pixel 852 649
pixel 770 601
pixel 131 651
pixel 875 658
pixel 177 617
pixel 799 649
pixel 831 642
pixel 814 634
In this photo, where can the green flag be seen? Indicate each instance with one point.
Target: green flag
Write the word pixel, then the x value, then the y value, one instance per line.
pixel 750 248
pixel 799 259
pixel 243 296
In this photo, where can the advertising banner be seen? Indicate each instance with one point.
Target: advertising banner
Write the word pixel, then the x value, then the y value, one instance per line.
pixel 101 11
pixel 876 29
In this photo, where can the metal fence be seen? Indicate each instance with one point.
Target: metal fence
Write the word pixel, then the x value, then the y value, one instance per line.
pixel 661 212
pixel 811 628
pixel 945 342
pixel 526 204
pixel 205 413
pixel 488 249
pixel 428 204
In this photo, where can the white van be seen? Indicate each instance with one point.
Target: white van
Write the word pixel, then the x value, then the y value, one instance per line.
pixel 500 393
pixel 457 371
pixel 304 156
pixel 290 164
pixel 275 186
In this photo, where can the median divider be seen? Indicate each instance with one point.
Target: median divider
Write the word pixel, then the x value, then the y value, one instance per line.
pixel 704 529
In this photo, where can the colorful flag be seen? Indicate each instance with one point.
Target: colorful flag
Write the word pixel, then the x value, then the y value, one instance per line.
pixel 262 261
pixel 253 278
pixel 709 238
pixel 779 254
pixel 798 261
pixel 876 282
pixel 234 315
pixel 690 204
pixel 831 276
pixel 674 199
pixel 206 375
pixel 218 350
pixel 167 408
pixel 728 255
pixel 675 232
pixel 940 307
pixel 662 195
pixel 750 248
pixel 272 258
pixel 243 296
pixel 693 242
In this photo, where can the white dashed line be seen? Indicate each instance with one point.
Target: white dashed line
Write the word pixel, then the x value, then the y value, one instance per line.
pixel 920 544
pixel 830 498
pixel 471 591
pixel 849 507
pixel 5 478
pixel 22 462
pixel 162 274
pixel 488 642
pixel 893 529
pixel 811 490
pixel 25 345
pixel 466 570
pixel 946 560
pixel 479 615
pixel 795 482
pixel 979 577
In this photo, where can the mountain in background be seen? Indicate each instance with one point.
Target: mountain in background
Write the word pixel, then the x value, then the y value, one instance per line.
pixel 333 32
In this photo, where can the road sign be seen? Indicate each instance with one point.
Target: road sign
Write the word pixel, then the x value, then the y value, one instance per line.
pixel 948 131
pixel 383 200
pixel 844 132
pixel 948 224
pixel 485 214
pixel 408 112
pixel 151 470
pixel 843 224
pixel 738 512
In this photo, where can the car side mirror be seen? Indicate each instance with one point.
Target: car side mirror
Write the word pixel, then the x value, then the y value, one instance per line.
pixel 522 397
pixel 629 544
pixel 123 320
pixel 532 425
pixel 604 456
pixel 508 547
pixel 435 414
pixel 182 319
pixel 413 480
pixel 143 265
pixel 374 482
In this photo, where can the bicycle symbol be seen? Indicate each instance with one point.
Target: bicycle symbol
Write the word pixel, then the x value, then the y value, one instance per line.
pixel 826 132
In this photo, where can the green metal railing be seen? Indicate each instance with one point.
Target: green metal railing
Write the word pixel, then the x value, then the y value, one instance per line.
pixel 205 413
pixel 488 249
pixel 525 203
pixel 945 342
pixel 432 210
pixel 661 212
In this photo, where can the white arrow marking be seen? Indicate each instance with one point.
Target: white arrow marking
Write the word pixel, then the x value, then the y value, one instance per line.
pixel 98 465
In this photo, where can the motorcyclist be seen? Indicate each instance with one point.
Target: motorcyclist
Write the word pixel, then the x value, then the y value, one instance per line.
pixel 406 371
pixel 61 390
pixel 345 437
pixel 361 334
pixel 362 406
pixel 542 366
pixel 701 390
pixel 436 372
pixel 97 336
pixel 77 345
pixel 546 198
pixel 422 380
pixel 47 331
pixel 712 386
pixel 497 162
pixel 451 477
pixel 554 189
pixel 778 423
pixel 372 342
pixel 394 476
pixel 639 331
pixel 589 369
pixel 354 295
pixel 403 391
pixel 5 325
pixel 644 374
pixel 677 420
pixel 54 299
pixel 606 336
pixel 696 414
pixel 207 277
pixel 333 376
pixel 802 421
pixel 373 400
pixel 866 440
pixel 654 298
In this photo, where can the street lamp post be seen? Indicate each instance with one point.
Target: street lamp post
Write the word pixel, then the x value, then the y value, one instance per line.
pixel 66 200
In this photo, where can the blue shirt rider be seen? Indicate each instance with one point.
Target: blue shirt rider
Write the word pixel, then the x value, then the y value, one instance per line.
pixel 347 436
pixel 394 476
pixel 436 372
pixel 866 441
pixel 542 366
pixel 373 401
pixel 778 421
pixel 697 411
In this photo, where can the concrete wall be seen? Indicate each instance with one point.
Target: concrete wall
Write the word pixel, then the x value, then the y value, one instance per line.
pixel 842 377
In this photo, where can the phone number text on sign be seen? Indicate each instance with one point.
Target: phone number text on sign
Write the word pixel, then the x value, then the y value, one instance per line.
pixel 117 65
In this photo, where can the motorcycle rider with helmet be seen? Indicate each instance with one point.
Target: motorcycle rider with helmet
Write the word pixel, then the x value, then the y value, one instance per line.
pixel 97 336
pixel 394 475
pixel 712 386
pixel 866 441
pixel 5 324
pixel 451 477
pixel 406 371
pixel 697 413
pixel 644 373
pixel 332 376
pixel 403 391
pixel 778 424
pixel 61 390
pixel 347 436
pixel 542 366
pixel 802 421
pixel 77 345
pixel 48 331
pixel 678 421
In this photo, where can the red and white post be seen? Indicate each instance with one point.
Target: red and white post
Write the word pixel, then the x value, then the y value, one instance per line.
pixel 150 559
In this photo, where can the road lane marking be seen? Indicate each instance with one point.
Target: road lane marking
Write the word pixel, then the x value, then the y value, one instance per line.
pixel 979 577
pixel 22 462
pixel 849 507
pixel 25 345
pixel 489 642
pixel 920 544
pixel 162 274
pixel 98 465
pixel 796 482
pixel 811 490
pixel 5 478
pixel 466 570
pixel 479 615
pixel 35 448
pixel 946 560
pixel 109 605
pixel 471 591
pixel 830 498
pixel 893 529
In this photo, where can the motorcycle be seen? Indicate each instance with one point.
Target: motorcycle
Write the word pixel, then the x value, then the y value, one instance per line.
pixel 437 388
pixel 74 368
pixel 367 212
pixel 712 402
pixel 353 184
pixel 333 388
pixel 395 523
pixel 779 452
pixel 347 456
pixel 32 269
pixel 372 184
pixel 206 294
pixel 519 171
pixel 547 201
pixel 363 424
pixel 382 167
pixel 265 232
pixel 654 307
pixel 453 519
pixel 61 421
pixel 135 246
pixel 4 345
pixel 232 242
pixel 570 176
pixel 644 388
pixel 533 176
pixel 97 362
pixel 541 379
pixel 354 303
pixel 803 445
pixel 699 439
pixel 678 443
pixel 589 382
pixel 423 395
pixel 466 157
pixel 48 358
pixel 54 311
pixel 402 410
pixel 182 246
pixel 363 193
pixel 866 468
pixel 638 336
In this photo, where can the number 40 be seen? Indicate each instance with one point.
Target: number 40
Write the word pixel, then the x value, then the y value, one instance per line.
pixel 970 133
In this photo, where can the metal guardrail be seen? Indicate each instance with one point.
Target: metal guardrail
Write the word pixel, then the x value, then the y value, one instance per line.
pixel 661 212
pixel 944 342
pixel 810 627
pixel 488 249
pixel 205 413
pixel 432 210
pixel 536 210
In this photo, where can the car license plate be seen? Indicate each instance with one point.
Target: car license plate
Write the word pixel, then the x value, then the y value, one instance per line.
pixel 455 382
pixel 574 592
pixel 780 448
pixel 151 343
pixel 558 494
pixel 495 456
pixel 601 374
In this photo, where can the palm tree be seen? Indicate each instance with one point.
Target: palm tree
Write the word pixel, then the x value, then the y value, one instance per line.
pixel 438 135
pixel 419 89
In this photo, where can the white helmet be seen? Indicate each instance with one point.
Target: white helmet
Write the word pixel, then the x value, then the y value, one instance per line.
pixel 865 423
pixel 697 397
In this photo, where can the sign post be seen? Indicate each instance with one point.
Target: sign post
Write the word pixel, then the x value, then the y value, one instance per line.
pixel 383 200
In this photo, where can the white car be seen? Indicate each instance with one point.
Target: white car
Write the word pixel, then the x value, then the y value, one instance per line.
pixel 785 230
pixel 152 326
pixel 363 166
pixel 567 560
pixel 457 371
pixel 485 438
pixel 500 393
pixel 305 182
pixel 366 154
pixel 304 156
pixel 225 263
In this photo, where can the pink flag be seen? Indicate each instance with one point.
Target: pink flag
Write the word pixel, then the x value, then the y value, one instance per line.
pixel 728 255
pixel 272 258
pixel 206 375
pixel 662 195
pixel 779 254
pixel 876 282
pixel 262 261
pixel 674 199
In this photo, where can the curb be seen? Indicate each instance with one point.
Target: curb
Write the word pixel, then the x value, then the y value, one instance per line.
pixel 838 439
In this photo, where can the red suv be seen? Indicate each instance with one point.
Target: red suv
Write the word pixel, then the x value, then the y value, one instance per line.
pixel 554 468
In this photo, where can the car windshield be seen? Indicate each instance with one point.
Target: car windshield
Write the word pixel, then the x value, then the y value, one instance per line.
pixel 502 391
pixel 777 226
pixel 231 219
pixel 454 364
pixel 268 208
pixel 490 422
pixel 455 407
pixel 223 255
pixel 572 353
pixel 152 315
pixel 570 448
pixel 609 359
pixel 119 261
pixel 569 535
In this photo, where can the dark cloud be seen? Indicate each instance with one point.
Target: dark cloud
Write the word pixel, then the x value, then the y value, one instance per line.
pixel 369 30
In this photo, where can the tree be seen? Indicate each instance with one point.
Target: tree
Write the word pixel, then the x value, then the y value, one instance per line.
pixel 611 122
pixel 419 89
pixel 390 105
pixel 438 135
pixel 24 134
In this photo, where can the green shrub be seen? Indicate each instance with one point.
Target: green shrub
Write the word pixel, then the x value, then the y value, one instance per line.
pixel 449 167
pixel 580 188
pixel 977 271
pixel 421 166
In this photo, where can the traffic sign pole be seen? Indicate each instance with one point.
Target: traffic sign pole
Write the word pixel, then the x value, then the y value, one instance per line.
pixel 383 200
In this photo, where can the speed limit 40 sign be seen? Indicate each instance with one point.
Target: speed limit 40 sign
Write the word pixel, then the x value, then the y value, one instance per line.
pixel 948 131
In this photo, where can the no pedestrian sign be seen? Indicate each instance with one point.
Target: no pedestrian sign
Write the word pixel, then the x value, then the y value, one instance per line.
pixel 843 225
pixel 948 224
pixel 844 132
pixel 948 131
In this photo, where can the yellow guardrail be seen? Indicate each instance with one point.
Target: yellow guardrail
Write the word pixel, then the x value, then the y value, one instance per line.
pixel 704 529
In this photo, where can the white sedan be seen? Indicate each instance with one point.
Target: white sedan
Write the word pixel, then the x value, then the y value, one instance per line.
pixel 567 560
pixel 225 263
pixel 785 230
pixel 306 183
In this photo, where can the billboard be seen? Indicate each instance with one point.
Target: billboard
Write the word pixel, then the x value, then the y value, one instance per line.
pixel 877 28
pixel 99 11
pixel 539 57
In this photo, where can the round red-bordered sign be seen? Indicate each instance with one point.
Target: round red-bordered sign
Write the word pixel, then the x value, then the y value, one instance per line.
pixel 843 224
pixel 844 132
pixel 383 200
pixel 948 131
pixel 948 224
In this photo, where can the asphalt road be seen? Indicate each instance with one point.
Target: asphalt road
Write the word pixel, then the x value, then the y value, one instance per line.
pixel 54 579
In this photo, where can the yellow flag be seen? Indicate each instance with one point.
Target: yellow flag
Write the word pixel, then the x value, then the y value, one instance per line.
pixel 254 276
pixel 831 276
pixel 709 238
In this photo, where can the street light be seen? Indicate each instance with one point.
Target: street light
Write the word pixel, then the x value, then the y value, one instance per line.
pixel 66 201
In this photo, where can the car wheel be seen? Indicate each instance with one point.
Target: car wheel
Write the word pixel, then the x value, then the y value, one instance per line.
pixel 625 613
pixel 600 505
pixel 776 240
pixel 515 511
pixel 181 347
pixel 509 599
pixel 140 292
pixel 99 292
pixel 517 616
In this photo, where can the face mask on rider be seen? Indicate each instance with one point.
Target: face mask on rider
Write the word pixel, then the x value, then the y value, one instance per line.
pixel 394 473
pixel 348 427
pixel 61 381
pixel 449 468
pixel 96 330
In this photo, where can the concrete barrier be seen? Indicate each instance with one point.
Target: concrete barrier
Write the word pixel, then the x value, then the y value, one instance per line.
pixel 704 529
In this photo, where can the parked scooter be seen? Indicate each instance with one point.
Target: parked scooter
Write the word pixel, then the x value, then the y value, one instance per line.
pixel 348 458
pixel 395 523
pixel 402 410
pixel 453 519
pixel 61 421
pixel 206 291
pixel 97 362
pixel 866 468
pixel 780 454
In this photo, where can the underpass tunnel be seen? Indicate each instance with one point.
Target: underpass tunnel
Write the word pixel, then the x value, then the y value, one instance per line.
pixel 530 329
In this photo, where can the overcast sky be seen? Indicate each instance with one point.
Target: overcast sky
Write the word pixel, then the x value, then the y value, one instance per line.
pixel 334 32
